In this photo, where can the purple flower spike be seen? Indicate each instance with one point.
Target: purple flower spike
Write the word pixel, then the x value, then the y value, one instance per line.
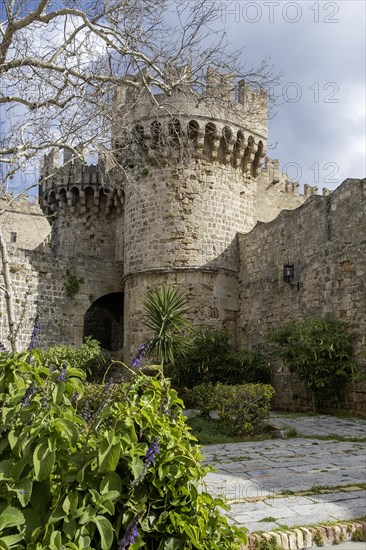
pixel 163 404
pixel 75 396
pixel 35 337
pixel 152 451
pixel 61 375
pixel 130 536
pixel 141 352
pixel 28 394
pixel 108 386
pixel 85 412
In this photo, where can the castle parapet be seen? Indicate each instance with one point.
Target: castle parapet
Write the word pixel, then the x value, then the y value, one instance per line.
pixel 310 190
pixel 272 180
pixel 75 186
pixel 161 141
pixel 225 121
pixel 277 192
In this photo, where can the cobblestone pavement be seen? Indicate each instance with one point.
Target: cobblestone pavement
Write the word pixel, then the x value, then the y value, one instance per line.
pixel 259 478
pixel 321 425
pixel 350 546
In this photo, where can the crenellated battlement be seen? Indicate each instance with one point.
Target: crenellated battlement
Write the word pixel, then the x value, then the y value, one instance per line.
pixel 272 178
pixel 217 95
pixel 159 141
pixel 223 121
pixel 276 192
pixel 75 187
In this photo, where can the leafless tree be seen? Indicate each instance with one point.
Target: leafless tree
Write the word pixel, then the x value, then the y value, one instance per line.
pixel 60 65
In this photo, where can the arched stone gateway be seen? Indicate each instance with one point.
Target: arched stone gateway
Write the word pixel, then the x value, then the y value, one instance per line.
pixel 104 321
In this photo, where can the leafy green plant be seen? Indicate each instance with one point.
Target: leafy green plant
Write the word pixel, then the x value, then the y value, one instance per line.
pixel 270 544
pixel 211 358
pixel 318 539
pixel 359 536
pixel 165 315
pixel 320 352
pixel 291 432
pixel 93 397
pixel 243 408
pixel 88 357
pixel 72 283
pixel 203 398
pixel 126 475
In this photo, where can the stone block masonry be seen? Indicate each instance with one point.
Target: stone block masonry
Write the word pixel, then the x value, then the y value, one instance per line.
pixel 38 281
pixel 325 239
pixel 211 294
pixel 22 223
pixel 187 216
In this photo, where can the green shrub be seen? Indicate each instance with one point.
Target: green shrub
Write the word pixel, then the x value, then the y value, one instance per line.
pixel 359 536
pixel 93 397
pixel 126 476
pixel 254 367
pixel 243 408
pixel 320 352
pixel 203 398
pixel 88 357
pixel 72 283
pixel 211 358
pixel 270 544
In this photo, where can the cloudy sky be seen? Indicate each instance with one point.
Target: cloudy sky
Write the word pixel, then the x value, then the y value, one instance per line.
pixel 318 129
pixel 318 132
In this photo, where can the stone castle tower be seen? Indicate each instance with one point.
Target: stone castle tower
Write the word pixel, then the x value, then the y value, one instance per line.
pixel 186 180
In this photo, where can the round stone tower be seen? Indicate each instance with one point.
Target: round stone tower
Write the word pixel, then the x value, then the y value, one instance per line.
pixel 84 213
pixel 87 249
pixel 183 184
pixel 191 161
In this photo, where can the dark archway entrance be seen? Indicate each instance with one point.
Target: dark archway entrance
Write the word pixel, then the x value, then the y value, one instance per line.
pixel 104 321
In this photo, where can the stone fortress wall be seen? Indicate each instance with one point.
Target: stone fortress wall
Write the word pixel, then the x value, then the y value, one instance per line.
pixel 275 192
pixel 325 238
pixel 191 199
pixel 23 222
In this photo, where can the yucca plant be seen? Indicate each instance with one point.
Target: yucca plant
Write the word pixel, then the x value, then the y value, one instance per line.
pixel 165 315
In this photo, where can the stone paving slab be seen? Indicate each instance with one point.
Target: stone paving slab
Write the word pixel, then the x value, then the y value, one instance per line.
pixel 323 425
pixel 349 546
pixel 262 470
pixel 295 513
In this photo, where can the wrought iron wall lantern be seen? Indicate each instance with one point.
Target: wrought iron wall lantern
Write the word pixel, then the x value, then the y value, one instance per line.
pixel 289 275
